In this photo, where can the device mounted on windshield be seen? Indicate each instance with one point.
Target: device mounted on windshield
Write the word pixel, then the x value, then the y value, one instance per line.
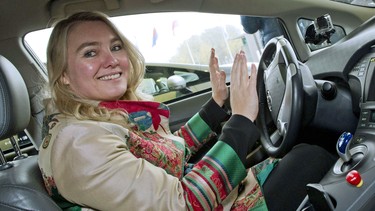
pixel 320 30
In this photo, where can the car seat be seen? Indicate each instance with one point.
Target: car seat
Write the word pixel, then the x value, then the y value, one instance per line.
pixel 21 184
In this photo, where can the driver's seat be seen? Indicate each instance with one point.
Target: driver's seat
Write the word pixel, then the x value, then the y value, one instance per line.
pixel 21 184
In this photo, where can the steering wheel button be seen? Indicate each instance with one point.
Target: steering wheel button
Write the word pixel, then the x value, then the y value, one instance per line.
pixel 354 178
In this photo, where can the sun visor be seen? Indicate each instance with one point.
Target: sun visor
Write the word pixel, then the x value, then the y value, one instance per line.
pixel 61 8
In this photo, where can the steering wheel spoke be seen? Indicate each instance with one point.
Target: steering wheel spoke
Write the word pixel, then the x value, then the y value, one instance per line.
pixel 285 111
pixel 275 138
pixel 280 92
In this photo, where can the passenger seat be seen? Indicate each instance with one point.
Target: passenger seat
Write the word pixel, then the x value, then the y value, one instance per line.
pixel 21 184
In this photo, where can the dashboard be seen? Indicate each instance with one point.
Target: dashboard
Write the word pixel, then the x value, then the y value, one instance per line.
pixel 353 61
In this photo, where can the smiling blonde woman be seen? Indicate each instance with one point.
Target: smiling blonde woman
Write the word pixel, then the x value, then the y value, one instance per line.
pixel 106 147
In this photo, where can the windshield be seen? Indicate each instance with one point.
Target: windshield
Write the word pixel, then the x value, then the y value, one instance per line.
pixel 170 37
pixel 177 46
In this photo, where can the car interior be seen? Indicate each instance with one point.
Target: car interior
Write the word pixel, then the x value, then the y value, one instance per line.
pixel 316 85
pixel 21 186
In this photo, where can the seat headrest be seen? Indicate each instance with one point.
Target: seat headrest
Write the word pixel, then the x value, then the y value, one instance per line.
pixel 14 100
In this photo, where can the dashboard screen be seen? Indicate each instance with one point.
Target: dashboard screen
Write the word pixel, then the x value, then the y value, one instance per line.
pixel 372 116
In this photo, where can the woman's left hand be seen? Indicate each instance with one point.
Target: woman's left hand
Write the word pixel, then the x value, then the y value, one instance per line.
pixel 217 78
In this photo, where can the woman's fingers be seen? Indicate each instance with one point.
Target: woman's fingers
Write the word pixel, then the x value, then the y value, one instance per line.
pixel 254 100
pixel 214 65
pixel 235 76
pixel 253 78
pixel 244 71
pixel 244 99
pixel 217 79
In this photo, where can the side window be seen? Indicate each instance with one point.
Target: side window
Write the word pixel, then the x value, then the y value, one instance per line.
pixel 168 83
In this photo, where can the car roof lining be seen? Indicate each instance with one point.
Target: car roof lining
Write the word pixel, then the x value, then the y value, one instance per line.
pixel 289 11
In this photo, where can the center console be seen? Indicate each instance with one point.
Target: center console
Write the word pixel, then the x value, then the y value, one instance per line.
pixel 350 184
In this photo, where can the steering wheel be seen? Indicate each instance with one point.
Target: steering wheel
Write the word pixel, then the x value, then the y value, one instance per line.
pixel 280 90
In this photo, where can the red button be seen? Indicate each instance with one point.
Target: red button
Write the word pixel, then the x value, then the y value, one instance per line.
pixel 354 178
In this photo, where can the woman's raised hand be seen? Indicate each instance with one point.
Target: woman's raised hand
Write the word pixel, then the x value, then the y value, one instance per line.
pixel 217 78
pixel 243 94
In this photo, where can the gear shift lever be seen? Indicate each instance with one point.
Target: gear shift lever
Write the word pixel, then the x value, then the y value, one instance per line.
pixel 342 146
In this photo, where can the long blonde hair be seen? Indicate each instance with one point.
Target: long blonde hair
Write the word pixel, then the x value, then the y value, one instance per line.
pixel 62 96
